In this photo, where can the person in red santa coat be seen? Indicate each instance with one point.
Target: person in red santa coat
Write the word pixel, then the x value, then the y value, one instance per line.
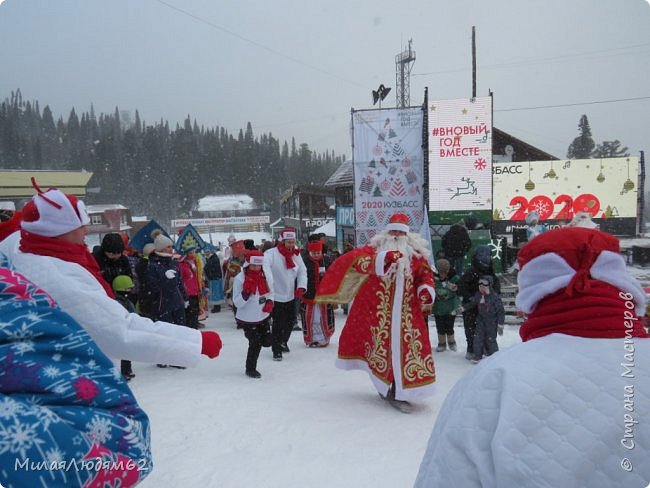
pixel 386 333
pixel 317 318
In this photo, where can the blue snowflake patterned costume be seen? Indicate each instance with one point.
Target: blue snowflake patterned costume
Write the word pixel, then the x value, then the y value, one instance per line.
pixel 66 416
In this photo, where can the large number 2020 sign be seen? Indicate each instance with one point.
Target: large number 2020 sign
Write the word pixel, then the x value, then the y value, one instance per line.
pixel 557 190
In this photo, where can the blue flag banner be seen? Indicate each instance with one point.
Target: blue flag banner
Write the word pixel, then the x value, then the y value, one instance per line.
pixel 143 236
pixel 189 237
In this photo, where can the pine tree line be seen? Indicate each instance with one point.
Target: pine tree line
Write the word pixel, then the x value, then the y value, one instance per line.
pixel 152 169
pixel 584 147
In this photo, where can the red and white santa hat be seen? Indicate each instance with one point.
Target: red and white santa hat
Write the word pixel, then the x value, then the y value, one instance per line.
pixel 254 257
pixel 572 258
pixel 287 234
pixel 399 221
pixel 53 213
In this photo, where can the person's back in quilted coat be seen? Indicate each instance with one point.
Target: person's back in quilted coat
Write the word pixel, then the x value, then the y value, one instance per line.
pixel 570 407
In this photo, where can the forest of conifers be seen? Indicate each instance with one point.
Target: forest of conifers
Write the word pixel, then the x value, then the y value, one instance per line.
pixel 153 169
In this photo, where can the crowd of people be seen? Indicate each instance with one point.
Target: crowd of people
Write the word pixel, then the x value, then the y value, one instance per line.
pixel 149 305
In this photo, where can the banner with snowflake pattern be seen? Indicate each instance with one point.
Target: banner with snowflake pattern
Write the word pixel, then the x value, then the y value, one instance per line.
pixel 460 154
pixel 388 168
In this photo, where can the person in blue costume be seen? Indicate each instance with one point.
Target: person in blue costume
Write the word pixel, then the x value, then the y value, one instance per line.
pixel 66 416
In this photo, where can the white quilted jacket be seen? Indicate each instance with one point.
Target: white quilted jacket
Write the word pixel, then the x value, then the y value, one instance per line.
pixel 554 412
pixel 120 334
pixel 281 280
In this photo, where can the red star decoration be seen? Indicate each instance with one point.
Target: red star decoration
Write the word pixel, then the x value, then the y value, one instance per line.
pixel 480 164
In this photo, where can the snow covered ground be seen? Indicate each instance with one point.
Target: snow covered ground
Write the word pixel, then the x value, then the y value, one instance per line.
pixel 303 424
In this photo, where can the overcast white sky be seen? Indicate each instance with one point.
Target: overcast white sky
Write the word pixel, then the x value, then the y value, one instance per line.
pixel 297 68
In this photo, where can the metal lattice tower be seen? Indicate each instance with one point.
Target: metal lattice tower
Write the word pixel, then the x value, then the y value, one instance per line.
pixel 403 64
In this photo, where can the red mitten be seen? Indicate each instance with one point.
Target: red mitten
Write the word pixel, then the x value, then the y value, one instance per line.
pixel 300 292
pixel 425 297
pixel 268 306
pixel 211 344
pixel 249 285
pixel 391 258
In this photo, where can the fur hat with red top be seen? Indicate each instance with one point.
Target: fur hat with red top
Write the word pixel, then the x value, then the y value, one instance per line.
pixel 287 233
pixel 399 221
pixel 53 213
pixel 574 281
pixel 254 257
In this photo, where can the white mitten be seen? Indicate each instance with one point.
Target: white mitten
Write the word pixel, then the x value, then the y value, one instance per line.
pixel 170 274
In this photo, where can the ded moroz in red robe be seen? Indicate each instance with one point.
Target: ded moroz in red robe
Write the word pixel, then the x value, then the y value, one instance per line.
pixel 386 333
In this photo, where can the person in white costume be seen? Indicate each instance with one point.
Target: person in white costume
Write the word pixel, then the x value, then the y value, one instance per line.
pixel 287 276
pixel 570 406
pixel 254 301
pixel 50 251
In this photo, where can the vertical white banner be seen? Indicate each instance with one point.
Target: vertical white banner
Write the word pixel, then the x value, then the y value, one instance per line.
pixel 388 169
pixel 460 154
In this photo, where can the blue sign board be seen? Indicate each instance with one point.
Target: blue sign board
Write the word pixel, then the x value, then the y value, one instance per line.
pixel 345 216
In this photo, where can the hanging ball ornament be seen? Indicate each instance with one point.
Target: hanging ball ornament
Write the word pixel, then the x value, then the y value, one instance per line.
pixel 600 178
pixel 628 185
pixel 552 174
pixel 529 185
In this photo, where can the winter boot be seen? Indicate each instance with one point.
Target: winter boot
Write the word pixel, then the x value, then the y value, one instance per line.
pixel 442 343
pixel 253 373
pixel 451 342
pixel 401 405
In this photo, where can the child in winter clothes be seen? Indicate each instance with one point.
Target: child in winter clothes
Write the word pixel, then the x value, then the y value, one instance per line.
pixel 444 308
pixel 481 265
pixel 490 318
pixel 254 301
pixel 123 287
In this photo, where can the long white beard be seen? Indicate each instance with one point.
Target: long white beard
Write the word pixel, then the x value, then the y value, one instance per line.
pixel 408 245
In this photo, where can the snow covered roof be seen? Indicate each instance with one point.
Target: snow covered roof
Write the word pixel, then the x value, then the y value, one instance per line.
pixel 218 203
pixel 328 229
pixel 342 176
pixel 102 208
pixel 220 239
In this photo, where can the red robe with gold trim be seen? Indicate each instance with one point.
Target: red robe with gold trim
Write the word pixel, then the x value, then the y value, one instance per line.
pixel 385 333
pixel 308 307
